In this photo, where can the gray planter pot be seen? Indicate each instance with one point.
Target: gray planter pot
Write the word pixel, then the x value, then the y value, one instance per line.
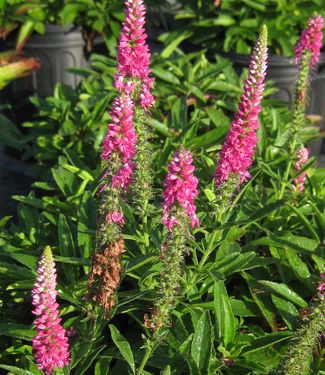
pixel 59 49
pixel 284 72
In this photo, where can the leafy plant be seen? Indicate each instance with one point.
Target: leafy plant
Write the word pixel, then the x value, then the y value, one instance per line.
pixel 247 278
pixel 231 25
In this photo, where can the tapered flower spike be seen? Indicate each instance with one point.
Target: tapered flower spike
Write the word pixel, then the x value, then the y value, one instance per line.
pixel 311 41
pixel 180 190
pixel 51 342
pixel 134 56
pixel 239 148
pixel 302 158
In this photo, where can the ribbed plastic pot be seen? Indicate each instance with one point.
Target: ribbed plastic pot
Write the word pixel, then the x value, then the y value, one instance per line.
pixel 284 72
pixel 59 49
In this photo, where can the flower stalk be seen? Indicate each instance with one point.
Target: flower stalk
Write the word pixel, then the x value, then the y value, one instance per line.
pixel 307 53
pixel 179 215
pixel 134 77
pixel 299 356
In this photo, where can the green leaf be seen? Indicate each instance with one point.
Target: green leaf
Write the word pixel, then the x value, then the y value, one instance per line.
pixel 298 266
pixel 266 341
pixel 259 214
pixel 65 180
pixel 24 33
pixel 201 343
pixel 297 243
pixel 305 221
pixel 16 370
pixel 10 271
pixel 16 330
pixel 255 5
pixel 283 290
pixel 179 37
pixel 140 261
pixel 287 310
pixel 67 248
pixel 225 320
pixel 166 75
pixel 123 346
pixel 9 134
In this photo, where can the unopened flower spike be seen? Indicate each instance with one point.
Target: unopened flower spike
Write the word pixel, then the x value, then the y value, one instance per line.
pixel 51 342
pixel 239 148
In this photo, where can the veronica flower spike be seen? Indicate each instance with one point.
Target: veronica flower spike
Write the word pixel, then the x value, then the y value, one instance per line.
pixel 307 53
pixel 179 215
pixel 239 148
pixel 51 342
pixel 311 41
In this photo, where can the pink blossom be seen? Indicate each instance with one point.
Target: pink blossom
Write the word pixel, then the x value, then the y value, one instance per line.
pixel 180 189
pixel 115 217
pixel 239 147
pixel 311 40
pixel 51 343
pixel 133 54
pixel 321 285
pixel 120 141
pixel 302 158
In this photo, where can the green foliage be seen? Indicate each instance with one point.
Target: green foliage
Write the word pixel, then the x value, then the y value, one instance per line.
pixel 247 276
pixel 232 25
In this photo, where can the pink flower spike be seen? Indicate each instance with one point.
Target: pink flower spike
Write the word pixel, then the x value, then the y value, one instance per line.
pixel 120 141
pixel 311 40
pixel 51 342
pixel 133 54
pixel 302 158
pixel 180 189
pixel 239 147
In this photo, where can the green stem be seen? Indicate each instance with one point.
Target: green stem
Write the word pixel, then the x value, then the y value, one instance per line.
pixel 145 224
pixel 151 344
pixel 203 260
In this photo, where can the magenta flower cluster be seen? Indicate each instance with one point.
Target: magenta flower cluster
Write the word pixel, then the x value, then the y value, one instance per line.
pixel 133 54
pixel 311 40
pixel 302 158
pixel 51 342
pixel 180 190
pixel 119 144
pixel 239 148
